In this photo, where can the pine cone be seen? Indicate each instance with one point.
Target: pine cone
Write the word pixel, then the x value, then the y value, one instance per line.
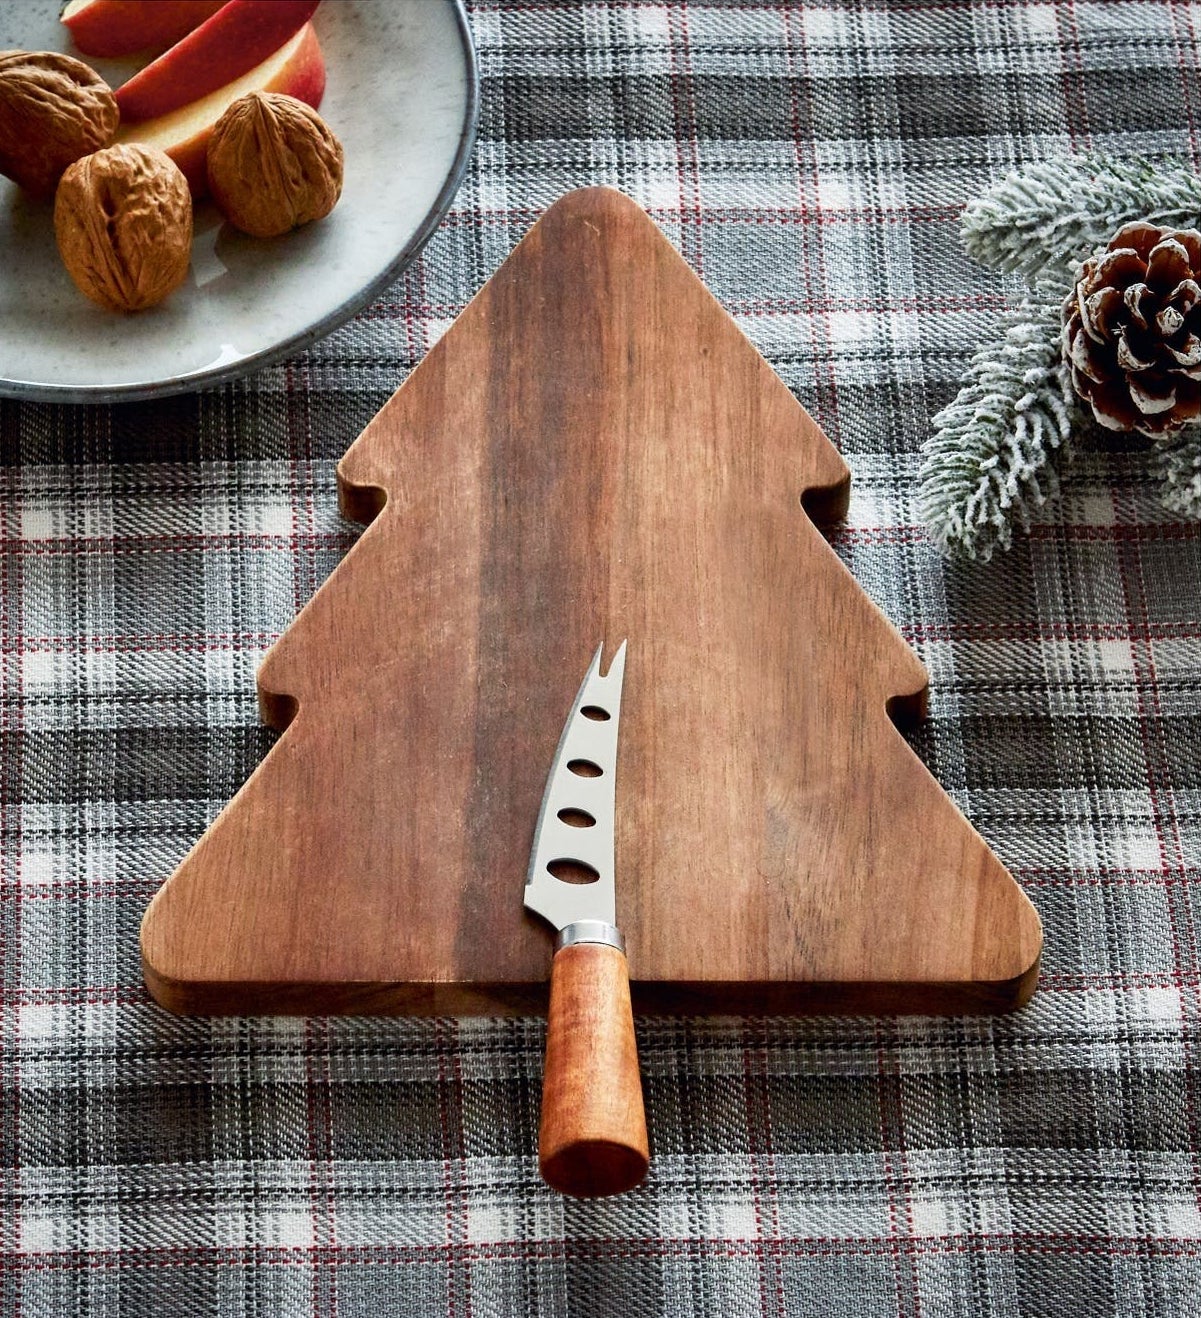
pixel 1132 330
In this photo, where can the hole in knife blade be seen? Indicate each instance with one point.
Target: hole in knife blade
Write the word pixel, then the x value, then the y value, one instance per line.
pixel 577 818
pixel 585 768
pixel 572 871
pixel 596 714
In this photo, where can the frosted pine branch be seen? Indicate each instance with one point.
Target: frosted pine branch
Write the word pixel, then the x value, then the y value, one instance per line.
pixel 1177 462
pixel 997 449
pixel 1046 214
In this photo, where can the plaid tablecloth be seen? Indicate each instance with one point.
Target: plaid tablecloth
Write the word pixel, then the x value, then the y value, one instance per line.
pixel 810 161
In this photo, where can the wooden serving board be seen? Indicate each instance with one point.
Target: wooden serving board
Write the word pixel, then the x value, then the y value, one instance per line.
pixel 594 450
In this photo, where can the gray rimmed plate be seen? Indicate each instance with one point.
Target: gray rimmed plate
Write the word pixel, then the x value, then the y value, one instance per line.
pixel 402 93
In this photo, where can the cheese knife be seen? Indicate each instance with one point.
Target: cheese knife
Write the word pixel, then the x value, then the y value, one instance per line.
pixel 592 1139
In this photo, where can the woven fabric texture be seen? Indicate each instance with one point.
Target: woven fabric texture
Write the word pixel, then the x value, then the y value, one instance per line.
pixel 810 161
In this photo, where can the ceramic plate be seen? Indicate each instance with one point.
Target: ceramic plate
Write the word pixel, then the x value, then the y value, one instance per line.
pixel 401 93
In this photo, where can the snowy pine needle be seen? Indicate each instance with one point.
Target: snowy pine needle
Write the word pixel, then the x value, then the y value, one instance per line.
pixel 996 450
pixel 1046 214
pixel 1177 462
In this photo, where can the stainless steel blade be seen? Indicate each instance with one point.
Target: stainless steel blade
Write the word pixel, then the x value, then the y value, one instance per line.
pixel 574 791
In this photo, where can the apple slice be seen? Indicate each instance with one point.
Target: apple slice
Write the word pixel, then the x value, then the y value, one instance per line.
pixel 297 69
pixel 238 37
pixel 109 29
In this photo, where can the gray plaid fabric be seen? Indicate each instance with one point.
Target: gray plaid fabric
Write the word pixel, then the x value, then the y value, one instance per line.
pixel 810 161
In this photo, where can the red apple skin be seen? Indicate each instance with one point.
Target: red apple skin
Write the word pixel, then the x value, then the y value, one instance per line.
pixel 238 37
pixel 186 139
pixel 109 29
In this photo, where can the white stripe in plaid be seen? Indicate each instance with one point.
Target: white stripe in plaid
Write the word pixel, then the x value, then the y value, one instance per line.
pixel 810 160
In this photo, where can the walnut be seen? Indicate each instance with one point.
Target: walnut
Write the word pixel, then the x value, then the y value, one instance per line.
pixel 273 164
pixel 123 219
pixel 53 109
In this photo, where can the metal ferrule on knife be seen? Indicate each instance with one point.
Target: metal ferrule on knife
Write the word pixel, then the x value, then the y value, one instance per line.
pixel 590 931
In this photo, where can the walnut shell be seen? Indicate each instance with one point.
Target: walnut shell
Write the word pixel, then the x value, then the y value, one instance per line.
pixel 123 219
pixel 273 164
pixel 53 109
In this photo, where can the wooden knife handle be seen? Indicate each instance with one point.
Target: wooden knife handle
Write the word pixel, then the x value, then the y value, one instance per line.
pixel 593 1135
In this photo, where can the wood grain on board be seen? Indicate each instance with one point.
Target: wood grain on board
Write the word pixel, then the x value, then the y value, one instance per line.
pixel 593 450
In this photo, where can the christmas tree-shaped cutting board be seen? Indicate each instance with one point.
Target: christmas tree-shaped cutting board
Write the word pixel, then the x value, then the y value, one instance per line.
pixel 593 450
